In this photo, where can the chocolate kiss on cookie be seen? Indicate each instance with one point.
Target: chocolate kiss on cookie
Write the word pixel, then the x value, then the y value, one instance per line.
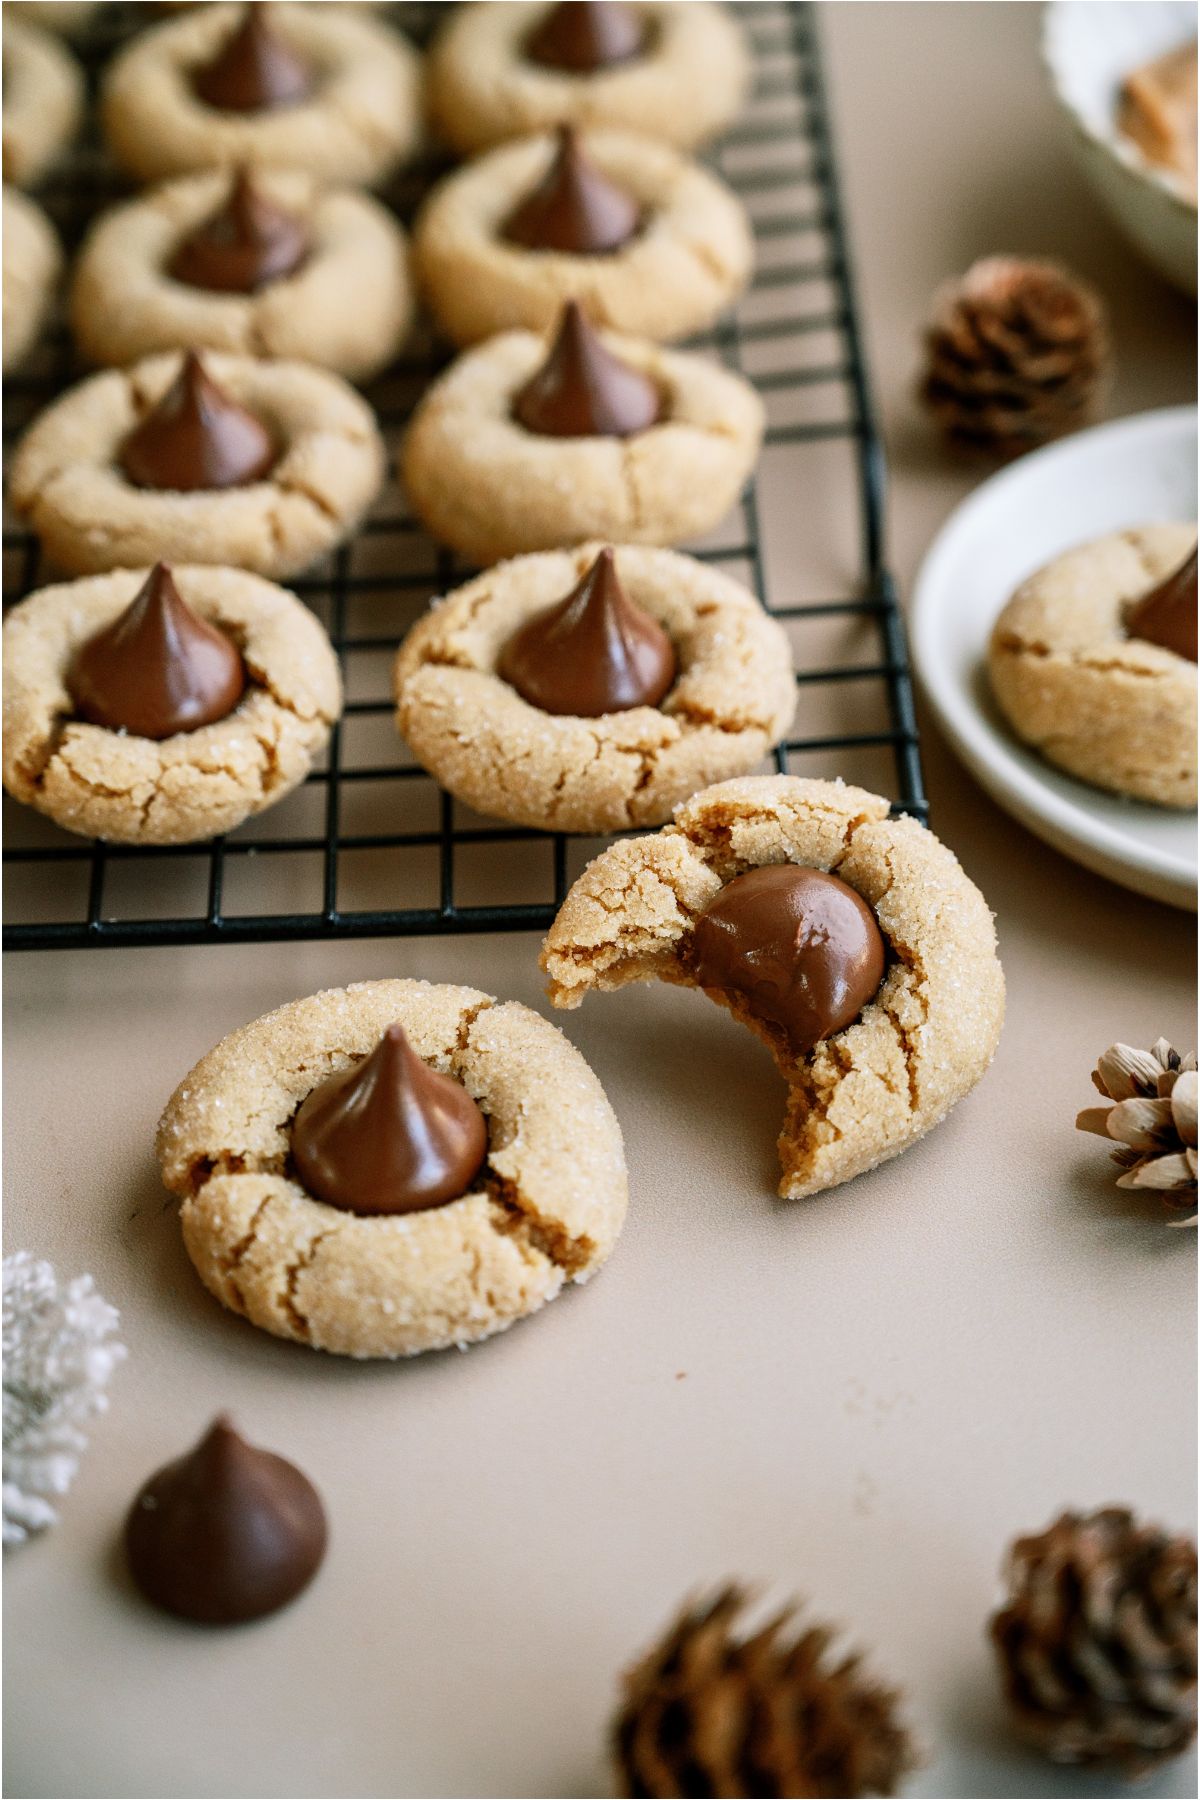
pixel 390 1135
pixel 1166 616
pixel 158 668
pixel 581 36
pixel 197 437
pixel 583 390
pixel 574 209
pixel 255 70
pixel 595 652
pixel 801 948
pixel 248 242
pixel 226 1533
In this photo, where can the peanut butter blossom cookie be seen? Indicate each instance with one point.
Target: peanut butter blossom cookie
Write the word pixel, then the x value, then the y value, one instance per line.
pixel 259 262
pixel 644 237
pixel 324 89
pixel 229 459
pixel 393 1167
pixel 529 443
pixel 163 707
pixel 590 690
pixel 1093 662
pixel 678 70
pixel 43 101
pixel 32 265
pixel 851 943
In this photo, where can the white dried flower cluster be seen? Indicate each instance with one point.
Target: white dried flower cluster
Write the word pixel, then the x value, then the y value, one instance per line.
pixel 58 1354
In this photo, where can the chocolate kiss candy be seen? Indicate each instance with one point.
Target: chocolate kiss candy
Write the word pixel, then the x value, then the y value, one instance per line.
pixel 157 669
pixel 583 390
pixel 1167 614
pixel 584 35
pixel 574 208
pixel 226 1533
pixel 390 1135
pixel 801 948
pixel 197 437
pixel 247 243
pixel 593 653
pixel 255 70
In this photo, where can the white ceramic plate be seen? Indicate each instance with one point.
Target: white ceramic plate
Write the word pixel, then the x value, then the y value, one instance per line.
pixel 1135 471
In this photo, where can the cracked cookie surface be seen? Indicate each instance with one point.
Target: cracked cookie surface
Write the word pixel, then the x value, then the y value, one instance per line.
pixel 181 789
pixel 33 262
pixel 362 118
pixel 545 1211
pixel 871 1090
pixel 685 86
pixel 732 701
pixel 125 304
pixel 1110 709
pixel 43 101
pixel 691 258
pixel 67 482
pixel 490 488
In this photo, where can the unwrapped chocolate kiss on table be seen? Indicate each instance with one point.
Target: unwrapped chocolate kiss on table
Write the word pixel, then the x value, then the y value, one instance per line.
pixel 595 652
pixel 801 948
pixel 158 668
pixel 226 1533
pixel 255 69
pixel 583 390
pixel 197 437
pixel 248 242
pixel 389 1135
pixel 581 36
pixel 1166 616
pixel 574 209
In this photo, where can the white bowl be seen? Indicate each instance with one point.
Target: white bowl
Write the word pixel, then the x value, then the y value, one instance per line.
pixel 1136 471
pixel 1089 47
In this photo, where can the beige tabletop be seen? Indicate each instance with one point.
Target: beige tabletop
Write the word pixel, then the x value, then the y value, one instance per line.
pixel 857 1399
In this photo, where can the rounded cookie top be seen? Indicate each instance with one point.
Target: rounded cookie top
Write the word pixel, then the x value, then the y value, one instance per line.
pixel 732 700
pixel 546 1210
pixel 685 85
pixel 67 481
pixel 126 304
pixel 1113 709
pixel 179 789
pixel 489 487
pixel 871 1089
pixel 33 262
pixel 43 101
pixel 691 257
pixel 361 118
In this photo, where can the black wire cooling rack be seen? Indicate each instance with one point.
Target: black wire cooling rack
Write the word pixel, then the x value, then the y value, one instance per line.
pixel 369 846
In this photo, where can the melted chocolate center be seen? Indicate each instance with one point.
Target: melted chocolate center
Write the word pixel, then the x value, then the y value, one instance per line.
pixel 1166 616
pixel 226 1533
pixel 595 652
pixel 158 668
pixel 196 438
pixel 390 1135
pixel 247 243
pixel 575 209
pixel 255 70
pixel 583 390
pixel 799 947
pixel 581 36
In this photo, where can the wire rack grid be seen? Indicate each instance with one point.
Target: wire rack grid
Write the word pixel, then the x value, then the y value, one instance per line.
pixel 74 893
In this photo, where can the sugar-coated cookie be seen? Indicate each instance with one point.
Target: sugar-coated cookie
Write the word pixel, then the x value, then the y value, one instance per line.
pixel 1113 709
pixel 43 101
pixel 544 1211
pixel 685 83
pixel 32 265
pixel 874 1087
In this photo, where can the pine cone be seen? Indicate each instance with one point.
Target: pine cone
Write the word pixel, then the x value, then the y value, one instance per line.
pixel 1017 353
pixel 708 1713
pixel 1153 1121
pixel 1097 1642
